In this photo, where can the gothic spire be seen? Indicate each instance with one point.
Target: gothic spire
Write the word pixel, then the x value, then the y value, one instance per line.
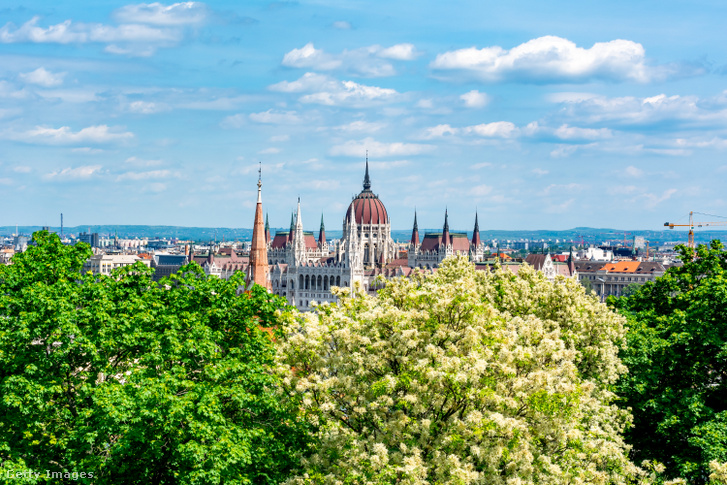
pixel 445 231
pixel 367 180
pixel 476 241
pixel 258 270
pixel 267 228
pixel 415 231
pixel 322 234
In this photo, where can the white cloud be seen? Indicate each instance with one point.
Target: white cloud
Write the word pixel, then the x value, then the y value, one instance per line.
pixel 562 188
pixel 634 172
pixel 361 126
pixel 42 77
pixel 269 151
pixel 234 121
pixel 475 99
pixel 438 131
pixel 399 52
pixel 22 169
pixel 146 107
pixel 551 59
pixel 140 162
pixel 64 135
pixel 480 165
pixel 370 61
pixel 341 25
pixel 563 151
pixel 425 104
pixel 540 172
pixel 184 13
pixel 653 200
pixel 151 174
pixel 565 132
pixel 128 39
pixel 83 172
pixel 87 150
pixel 276 117
pixel 310 57
pixel 350 93
pixel 669 111
pixel 497 129
pixel 6 181
pixel 309 81
pixel 480 190
pixel 279 138
pixel 377 149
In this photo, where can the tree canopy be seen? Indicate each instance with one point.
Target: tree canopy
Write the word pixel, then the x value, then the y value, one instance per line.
pixel 677 359
pixel 138 382
pixel 461 377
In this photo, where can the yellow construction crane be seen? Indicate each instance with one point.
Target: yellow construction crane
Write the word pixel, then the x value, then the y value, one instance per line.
pixel 693 224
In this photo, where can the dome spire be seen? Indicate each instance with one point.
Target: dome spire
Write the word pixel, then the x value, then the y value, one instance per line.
pixel 367 180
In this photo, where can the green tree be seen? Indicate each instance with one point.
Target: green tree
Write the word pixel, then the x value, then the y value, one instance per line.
pixel 461 377
pixel 138 382
pixel 677 360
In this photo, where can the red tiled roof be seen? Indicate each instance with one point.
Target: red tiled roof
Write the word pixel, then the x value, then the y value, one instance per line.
pixel 280 240
pixel 368 209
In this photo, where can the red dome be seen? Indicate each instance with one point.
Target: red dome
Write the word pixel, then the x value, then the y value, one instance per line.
pixel 368 209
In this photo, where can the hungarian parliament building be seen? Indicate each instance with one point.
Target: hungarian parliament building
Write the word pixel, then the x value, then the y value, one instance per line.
pixel 303 268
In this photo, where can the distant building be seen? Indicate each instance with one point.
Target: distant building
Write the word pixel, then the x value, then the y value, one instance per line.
pixel 167 264
pixel 91 239
pixel 610 278
pixel 105 263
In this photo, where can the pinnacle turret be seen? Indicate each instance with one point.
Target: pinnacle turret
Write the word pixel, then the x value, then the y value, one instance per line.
pixel 367 179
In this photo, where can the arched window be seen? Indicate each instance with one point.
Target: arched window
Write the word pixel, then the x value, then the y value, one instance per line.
pixel 320 282
pixel 302 283
pixel 338 281
pixel 345 283
pixel 366 253
pixel 292 285
pixel 325 282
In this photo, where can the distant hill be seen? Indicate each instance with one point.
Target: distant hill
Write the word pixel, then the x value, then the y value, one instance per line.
pixel 201 234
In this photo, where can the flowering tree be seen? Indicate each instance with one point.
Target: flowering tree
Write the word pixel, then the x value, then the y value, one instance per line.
pixel 461 377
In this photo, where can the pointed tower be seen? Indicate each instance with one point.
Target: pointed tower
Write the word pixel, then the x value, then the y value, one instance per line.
pixel 267 229
pixel 258 272
pixel 571 263
pixel 299 239
pixel 446 239
pixel 292 227
pixel 322 235
pixel 367 180
pixel 476 241
pixel 415 233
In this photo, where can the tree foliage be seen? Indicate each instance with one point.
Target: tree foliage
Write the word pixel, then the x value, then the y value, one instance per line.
pixel 677 359
pixel 461 377
pixel 134 381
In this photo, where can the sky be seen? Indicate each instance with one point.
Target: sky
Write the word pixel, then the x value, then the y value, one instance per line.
pixel 535 115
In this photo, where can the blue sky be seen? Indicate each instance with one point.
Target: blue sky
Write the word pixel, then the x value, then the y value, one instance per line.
pixel 539 115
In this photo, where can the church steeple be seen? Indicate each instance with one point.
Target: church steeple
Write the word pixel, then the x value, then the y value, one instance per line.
pixel 292 227
pixel 446 240
pixel 267 229
pixel 415 232
pixel 367 180
pixel 322 234
pixel 299 238
pixel 476 241
pixel 258 270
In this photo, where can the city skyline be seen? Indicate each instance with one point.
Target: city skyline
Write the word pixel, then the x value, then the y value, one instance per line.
pixel 537 116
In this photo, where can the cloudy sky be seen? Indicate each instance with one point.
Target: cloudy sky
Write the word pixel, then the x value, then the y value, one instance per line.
pixel 538 115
